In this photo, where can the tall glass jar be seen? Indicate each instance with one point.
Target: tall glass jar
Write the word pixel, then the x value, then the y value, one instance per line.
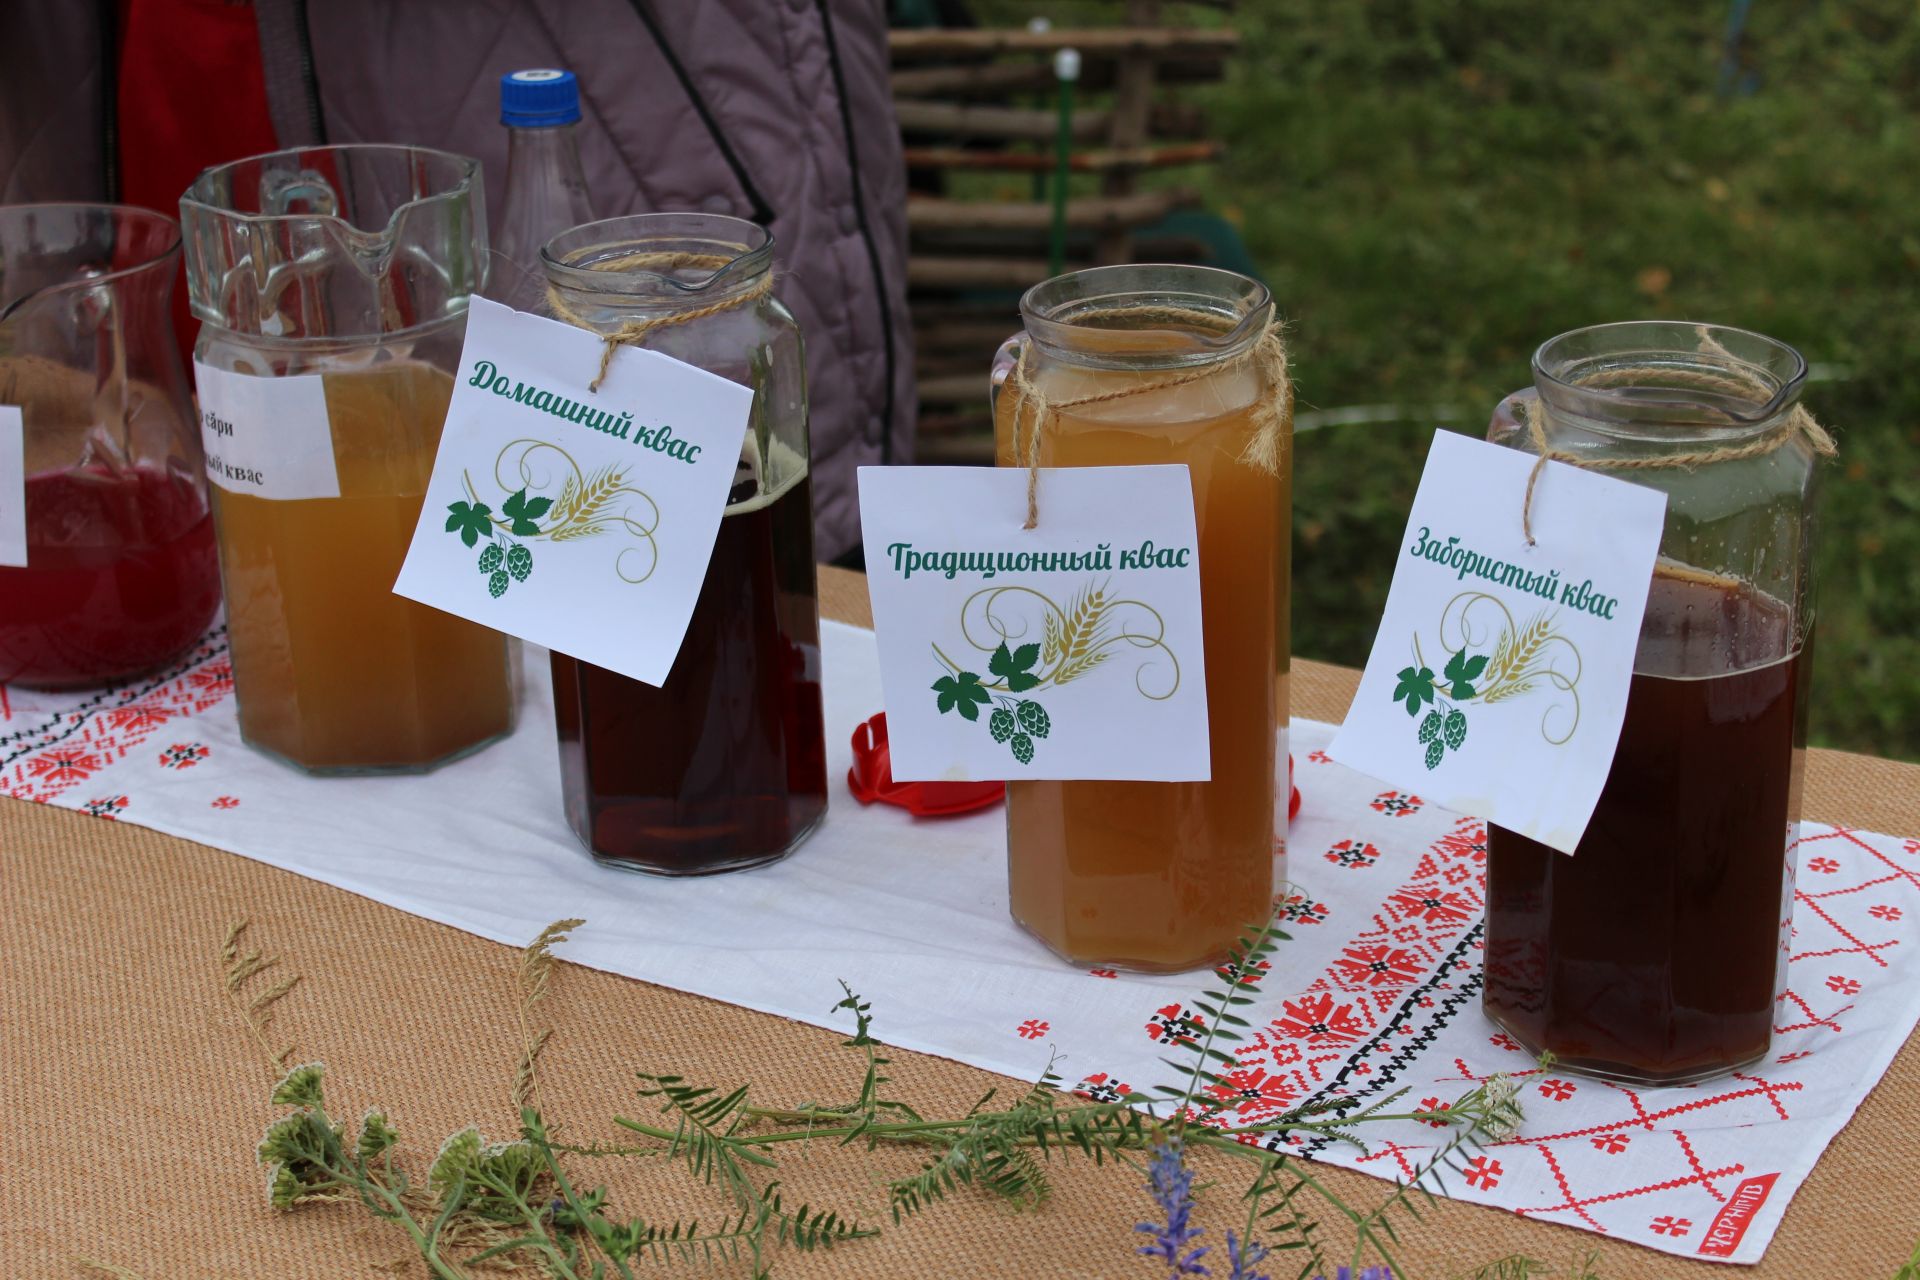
pixel 107 566
pixel 332 286
pixel 1165 875
pixel 723 766
pixel 1655 953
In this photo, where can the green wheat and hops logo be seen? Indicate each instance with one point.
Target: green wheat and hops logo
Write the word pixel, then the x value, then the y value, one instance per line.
pixel 1520 662
pixel 1074 641
pixel 588 504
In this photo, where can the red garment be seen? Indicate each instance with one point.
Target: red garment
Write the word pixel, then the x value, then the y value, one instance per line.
pixel 191 94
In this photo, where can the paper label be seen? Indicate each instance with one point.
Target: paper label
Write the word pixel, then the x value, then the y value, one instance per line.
pixel 579 520
pixel 13 488
pixel 267 437
pixel 1498 680
pixel 1068 651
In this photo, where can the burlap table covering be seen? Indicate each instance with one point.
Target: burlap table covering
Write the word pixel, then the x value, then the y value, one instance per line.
pixel 133 1095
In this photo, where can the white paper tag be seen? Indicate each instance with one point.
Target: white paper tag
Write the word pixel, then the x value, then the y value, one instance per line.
pixel 1068 651
pixel 579 520
pixel 267 437
pixel 13 488
pixel 1498 680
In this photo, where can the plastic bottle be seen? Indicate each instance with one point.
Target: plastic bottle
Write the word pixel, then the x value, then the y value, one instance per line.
pixel 546 188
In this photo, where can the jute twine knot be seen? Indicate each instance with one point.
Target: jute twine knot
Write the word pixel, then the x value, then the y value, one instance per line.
pixel 634 332
pixel 1033 412
pixel 1736 381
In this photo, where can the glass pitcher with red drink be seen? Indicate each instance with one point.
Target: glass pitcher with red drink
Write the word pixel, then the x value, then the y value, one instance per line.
pixel 107 562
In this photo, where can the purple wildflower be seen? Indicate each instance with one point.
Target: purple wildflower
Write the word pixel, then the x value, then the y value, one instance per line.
pixel 1245 1258
pixel 1171 1183
pixel 1365 1273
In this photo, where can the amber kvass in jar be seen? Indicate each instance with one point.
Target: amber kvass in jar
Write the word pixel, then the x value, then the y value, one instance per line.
pixel 1656 952
pixel 1165 875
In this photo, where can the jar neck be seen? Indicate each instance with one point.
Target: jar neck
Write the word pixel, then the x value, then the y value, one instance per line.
pixel 631 270
pixel 1653 386
pixel 1146 317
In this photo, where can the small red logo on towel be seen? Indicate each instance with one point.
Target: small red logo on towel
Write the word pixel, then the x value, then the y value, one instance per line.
pixel 1730 1224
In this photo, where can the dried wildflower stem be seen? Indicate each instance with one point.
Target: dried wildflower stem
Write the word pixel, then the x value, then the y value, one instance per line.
pixel 256 1011
pixel 92 1267
pixel 536 963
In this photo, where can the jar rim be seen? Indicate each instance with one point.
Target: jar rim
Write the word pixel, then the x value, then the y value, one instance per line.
pixel 1639 373
pixel 745 247
pixel 121 214
pixel 1242 305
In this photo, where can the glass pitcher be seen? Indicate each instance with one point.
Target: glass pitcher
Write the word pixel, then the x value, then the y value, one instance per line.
pixel 1165 875
pixel 723 766
pixel 1655 954
pixel 107 566
pixel 332 284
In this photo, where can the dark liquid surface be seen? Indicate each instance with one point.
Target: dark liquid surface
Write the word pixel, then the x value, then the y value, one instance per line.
pixel 725 765
pixel 121 576
pixel 1656 951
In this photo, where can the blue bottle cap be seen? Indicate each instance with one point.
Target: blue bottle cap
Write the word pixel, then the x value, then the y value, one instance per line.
pixel 535 99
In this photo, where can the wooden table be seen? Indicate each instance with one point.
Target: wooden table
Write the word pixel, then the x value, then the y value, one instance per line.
pixel 132 1095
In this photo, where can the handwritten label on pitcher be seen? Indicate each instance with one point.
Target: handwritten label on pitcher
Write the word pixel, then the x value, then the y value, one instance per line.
pixel 1498 679
pixel 266 437
pixel 1068 651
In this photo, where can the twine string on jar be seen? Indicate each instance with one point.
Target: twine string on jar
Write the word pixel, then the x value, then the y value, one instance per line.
pixel 1033 412
pixel 634 332
pixel 1739 383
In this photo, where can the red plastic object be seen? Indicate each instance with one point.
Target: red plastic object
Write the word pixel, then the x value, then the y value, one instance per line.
pixel 871 779
pixel 1293 804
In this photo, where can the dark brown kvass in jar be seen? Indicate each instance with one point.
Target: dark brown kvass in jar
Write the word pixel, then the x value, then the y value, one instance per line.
pixel 1655 951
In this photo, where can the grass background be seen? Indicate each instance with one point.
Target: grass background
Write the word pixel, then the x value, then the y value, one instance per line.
pixel 1433 187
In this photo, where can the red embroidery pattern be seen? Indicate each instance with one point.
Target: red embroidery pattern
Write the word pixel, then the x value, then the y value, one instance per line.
pixel 1102 1087
pixel 183 755
pixel 76 744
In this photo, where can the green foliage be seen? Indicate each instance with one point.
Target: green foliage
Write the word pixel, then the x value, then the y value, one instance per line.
pixel 1911 1271
pixel 517 1205
pixel 1432 189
